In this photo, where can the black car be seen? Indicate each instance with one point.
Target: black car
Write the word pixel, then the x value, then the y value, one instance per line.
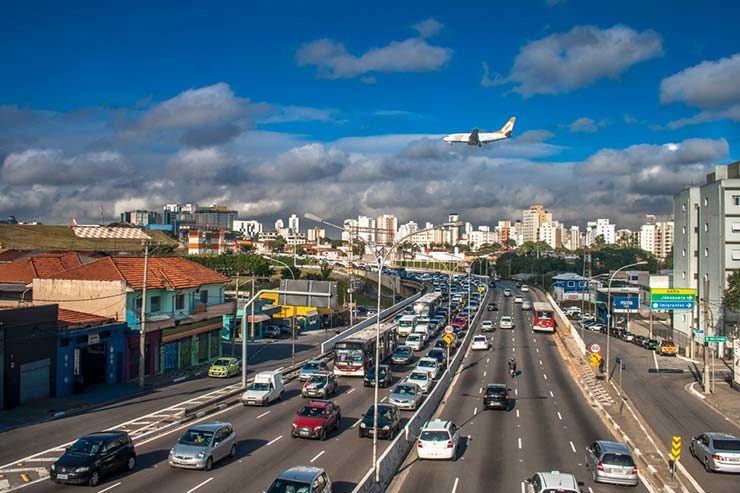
pixel 94 456
pixel 439 354
pixel 492 307
pixel 385 377
pixel 403 355
pixel 389 421
pixel 496 396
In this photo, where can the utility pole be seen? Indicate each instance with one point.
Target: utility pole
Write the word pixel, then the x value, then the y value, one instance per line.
pixel 351 279
pixel 705 303
pixel 236 313
pixel 142 322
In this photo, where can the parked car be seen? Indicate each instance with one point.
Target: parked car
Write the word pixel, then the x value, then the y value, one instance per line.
pixel 320 385
pixel 430 365
pixel 719 452
pixel 480 342
pixel 406 395
pixel 272 332
pixel 316 419
pixel 667 348
pixel 93 457
pixel 548 482
pixel 421 378
pixel 267 387
pixel 203 445
pixel 225 368
pixel 496 396
pixel 506 322
pixel 311 367
pixel 487 326
pixel 389 421
pixel 611 462
pixel 301 478
pixel 403 355
pixel 438 439
pixel 385 377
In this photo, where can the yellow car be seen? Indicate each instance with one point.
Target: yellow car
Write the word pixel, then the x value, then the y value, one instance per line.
pixel 224 368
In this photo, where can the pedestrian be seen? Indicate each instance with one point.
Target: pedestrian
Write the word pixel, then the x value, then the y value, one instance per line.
pixel 601 365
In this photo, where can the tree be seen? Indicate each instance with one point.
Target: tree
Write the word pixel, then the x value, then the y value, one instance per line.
pixel 286 273
pixel 276 245
pixel 325 271
pixel 731 297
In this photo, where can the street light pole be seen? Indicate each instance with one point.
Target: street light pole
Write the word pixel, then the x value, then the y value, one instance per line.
pixel 609 310
pixel 293 308
pixel 142 324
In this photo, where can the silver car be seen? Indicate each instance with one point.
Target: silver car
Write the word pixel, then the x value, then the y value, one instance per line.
pixel 203 445
pixel 301 479
pixel 719 452
pixel 611 462
pixel 406 395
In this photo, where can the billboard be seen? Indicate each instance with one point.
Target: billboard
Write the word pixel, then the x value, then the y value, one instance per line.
pixel 625 304
pixel 309 286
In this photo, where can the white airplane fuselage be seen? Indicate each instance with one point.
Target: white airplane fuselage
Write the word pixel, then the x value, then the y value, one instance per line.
pixel 484 138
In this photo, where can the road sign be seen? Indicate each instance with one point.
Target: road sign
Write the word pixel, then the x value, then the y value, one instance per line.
pixel 715 338
pixel 449 329
pixel 672 305
pixel 595 348
pixel 594 359
pixel 659 294
pixel 676 448
pixel 481 289
pixel 448 338
pixel 698 332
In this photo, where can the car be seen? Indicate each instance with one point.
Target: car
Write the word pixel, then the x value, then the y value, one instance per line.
pixel 487 326
pixel 518 299
pixel 203 445
pixel 650 344
pixel 506 322
pixel 667 348
pixel 389 421
pixel 492 307
pixel 496 396
pixel 507 292
pixel 406 395
pixel 439 354
pixel 320 385
pixel 637 340
pixel 272 332
pixel 526 305
pixel 385 377
pixel 267 386
pixel 316 419
pixel 627 336
pixel 311 367
pixel 611 462
pixel 548 482
pixel 480 343
pixel 441 344
pixel 421 378
pixel 403 355
pixel 519 284
pixel 439 439
pixel 524 288
pixel 595 327
pixel 430 365
pixel 415 341
pixel 94 456
pixel 301 479
pixel 718 452
pixel 224 368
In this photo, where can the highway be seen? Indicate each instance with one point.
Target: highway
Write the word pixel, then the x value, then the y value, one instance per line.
pixel 265 448
pixel 547 429
pixel 666 405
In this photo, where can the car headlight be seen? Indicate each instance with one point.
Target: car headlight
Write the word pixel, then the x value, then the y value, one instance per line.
pixel 318 428
pixel 172 451
pixel 295 426
pixel 53 467
pixel 82 469
pixel 201 455
pixel 386 427
pixel 363 425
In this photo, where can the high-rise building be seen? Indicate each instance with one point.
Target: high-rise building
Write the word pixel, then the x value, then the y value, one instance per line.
pixel 656 237
pixel 248 229
pixel 141 217
pixel 531 220
pixel 294 224
pixel 314 235
pixel 407 229
pixel 453 232
pixel 386 225
pixel 366 229
pixel 279 224
pixel 552 233
pixel 686 259
pixel 214 217
pixel 503 229
pixel 574 238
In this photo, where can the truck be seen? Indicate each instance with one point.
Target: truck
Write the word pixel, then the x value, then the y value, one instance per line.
pixel 267 387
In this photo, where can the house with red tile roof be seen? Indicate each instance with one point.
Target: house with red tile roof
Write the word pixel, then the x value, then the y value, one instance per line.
pixel 185 304
pixel 16 276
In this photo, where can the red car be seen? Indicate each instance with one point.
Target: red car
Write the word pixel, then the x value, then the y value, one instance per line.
pixel 316 419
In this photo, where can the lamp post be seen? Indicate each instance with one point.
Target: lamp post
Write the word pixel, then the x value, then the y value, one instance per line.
pixel 292 328
pixel 609 310
pixel 380 257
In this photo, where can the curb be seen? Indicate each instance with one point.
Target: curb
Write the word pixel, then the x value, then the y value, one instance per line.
pixel 703 398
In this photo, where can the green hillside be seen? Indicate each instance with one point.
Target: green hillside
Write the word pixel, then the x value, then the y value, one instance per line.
pixel 22 236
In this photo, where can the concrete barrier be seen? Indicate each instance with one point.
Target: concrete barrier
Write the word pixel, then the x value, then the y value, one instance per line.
pixel 563 321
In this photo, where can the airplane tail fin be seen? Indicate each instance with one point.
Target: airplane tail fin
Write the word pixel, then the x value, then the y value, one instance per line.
pixel 74 222
pixel 506 129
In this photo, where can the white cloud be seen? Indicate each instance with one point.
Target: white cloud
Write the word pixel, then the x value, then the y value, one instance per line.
pixel 563 62
pixel 334 61
pixel 51 167
pixel 286 114
pixel 587 125
pixel 428 28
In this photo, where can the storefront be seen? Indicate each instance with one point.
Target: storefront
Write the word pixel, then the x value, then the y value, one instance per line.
pixel 153 338
pixel 191 344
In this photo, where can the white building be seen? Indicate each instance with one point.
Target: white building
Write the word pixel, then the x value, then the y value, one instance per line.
pixel 313 235
pixel 603 228
pixel 574 238
pixel 407 229
pixel 482 236
pixel 247 228
pixel 366 229
pixel 552 233
pixel 686 254
pixel 386 225
pixel 279 224
pixel 294 223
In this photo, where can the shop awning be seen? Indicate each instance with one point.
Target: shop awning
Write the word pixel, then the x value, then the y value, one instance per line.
pixel 258 317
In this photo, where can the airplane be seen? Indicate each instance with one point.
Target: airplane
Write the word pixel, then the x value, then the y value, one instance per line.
pixel 475 138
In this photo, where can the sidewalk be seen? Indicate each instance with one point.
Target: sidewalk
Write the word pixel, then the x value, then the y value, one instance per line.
pixel 725 399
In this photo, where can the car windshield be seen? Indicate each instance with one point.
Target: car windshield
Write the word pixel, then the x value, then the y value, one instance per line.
pixel 403 351
pixel 479 339
pixel 495 391
pixel 86 446
pixel 198 438
pixel 419 375
pixel 733 445
pixel 384 413
pixel 405 390
pixel 434 436
pixel 311 366
pixel 260 387
pixel 312 412
pixel 618 460
pixel 320 379
pixel 287 486
pixel 221 362
pixel 427 364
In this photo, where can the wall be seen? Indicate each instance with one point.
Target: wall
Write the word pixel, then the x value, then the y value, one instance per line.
pixel 685 244
pixel 104 298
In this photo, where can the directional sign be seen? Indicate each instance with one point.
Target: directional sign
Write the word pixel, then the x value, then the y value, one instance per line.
pixel 595 348
pixel 672 305
pixel 715 339
pixel 448 338
pixel 698 332
pixel 594 359
pixel 481 289
pixel 449 329
pixel 685 295
pixel 676 448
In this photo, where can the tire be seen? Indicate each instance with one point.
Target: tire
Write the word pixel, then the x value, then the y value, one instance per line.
pixel 232 454
pixel 322 435
pixel 691 451
pixel 209 464
pixel 94 479
pixel 131 464
pixel 337 424
pixel 280 397
pixel 706 465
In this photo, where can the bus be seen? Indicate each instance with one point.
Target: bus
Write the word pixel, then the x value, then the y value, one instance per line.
pixel 427 305
pixel 355 355
pixel 544 317
pixel 406 325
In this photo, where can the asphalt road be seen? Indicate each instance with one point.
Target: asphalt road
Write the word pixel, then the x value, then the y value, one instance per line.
pixel 662 399
pixel 547 428
pixel 265 448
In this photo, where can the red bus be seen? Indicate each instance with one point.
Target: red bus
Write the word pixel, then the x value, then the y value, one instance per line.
pixel 544 317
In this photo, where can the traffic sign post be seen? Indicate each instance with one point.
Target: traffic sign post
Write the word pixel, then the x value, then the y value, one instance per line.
pixel 595 359
pixel 448 338
pixel 449 329
pixel 672 299
pixel 481 289
pixel 675 453
pixel 595 348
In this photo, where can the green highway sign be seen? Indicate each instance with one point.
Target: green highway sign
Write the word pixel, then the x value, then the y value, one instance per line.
pixel 715 339
pixel 680 298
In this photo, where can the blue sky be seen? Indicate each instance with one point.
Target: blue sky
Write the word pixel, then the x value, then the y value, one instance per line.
pixel 348 99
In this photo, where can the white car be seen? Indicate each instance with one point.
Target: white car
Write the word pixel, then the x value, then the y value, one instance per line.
pixel 524 288
pixel 415 341
pixel 430 365
pixel 526 305
pixel 421 378
pixel 506 322
pixel 480 343
pixel 438 439
pixel 518 299
pixel 507 292
pixel 487 326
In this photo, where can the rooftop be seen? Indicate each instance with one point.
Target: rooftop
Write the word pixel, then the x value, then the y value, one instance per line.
pixel 43 265
pixel 69 318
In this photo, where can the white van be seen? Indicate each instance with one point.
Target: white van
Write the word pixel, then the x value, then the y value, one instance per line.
pixel 415 341
pixel 406 325
pixel 423 329
pixel 267 387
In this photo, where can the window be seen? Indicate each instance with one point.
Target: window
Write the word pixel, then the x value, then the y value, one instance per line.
pixel 180 302
pixel 683 317
pixel 736 255
pixel 706 202
pixel 683 252
pixel 683 208
pixel 696 253
pixel 683 230
pixel 155 303
pixel 204 296
pixel 571 284
pixel 683 275
pixel 706 252
pixel 736 200
pixel 706 227
pixel 735 227
pixel 696 276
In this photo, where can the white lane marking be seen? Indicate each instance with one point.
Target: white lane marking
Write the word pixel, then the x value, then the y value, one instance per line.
pixel 383 399
pixel 488 360
pixel 357 422
pixel 475 411
pixel 481 390
pixel 201 484
pixel 109 487
pixel 572 447
pixel 484 374
pixel 318 455
pixel 540 362
pixel 454 486
pixel 517 413
pixel 655 358
pixel 520 442
pixel 181 427
pixel 537 349
pixel 350 390
pixel 274 440
pixel 560 417
pixel 513 349
pixel 551 394
pixel 590 490
pixel 263 414
pixel 545 375
pixel 516 391
pixel 523 487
